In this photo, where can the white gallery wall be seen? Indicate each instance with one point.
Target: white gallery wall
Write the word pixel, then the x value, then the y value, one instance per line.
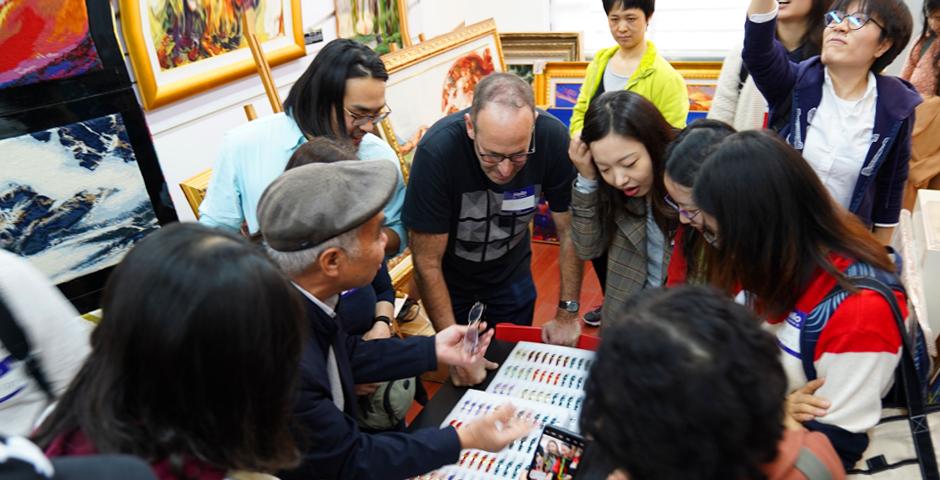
pixel 188 134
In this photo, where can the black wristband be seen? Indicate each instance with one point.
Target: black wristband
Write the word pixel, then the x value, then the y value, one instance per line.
pixel 383 318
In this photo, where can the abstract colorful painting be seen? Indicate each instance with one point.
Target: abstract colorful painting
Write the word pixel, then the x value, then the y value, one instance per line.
pixel 566 94
pixel 44 40
pixel 451 64
pixel 72 198
pixel 182 47
pixel 186 31
pixel 376 23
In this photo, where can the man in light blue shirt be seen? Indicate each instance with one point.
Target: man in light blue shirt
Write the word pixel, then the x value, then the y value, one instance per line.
pixel 256 153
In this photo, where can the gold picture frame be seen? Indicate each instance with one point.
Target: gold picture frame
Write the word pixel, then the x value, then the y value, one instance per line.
pixel 194 189
pixel 553 75
pixel 401 9
pixel 525 52
pixel 428 66
pixel 701 78
pixel 160 86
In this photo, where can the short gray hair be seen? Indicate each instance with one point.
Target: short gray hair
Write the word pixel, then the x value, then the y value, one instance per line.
pixel 296 263
pixel 505 89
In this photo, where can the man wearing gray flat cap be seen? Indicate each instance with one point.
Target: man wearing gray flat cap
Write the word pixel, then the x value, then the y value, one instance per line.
pixel 322 224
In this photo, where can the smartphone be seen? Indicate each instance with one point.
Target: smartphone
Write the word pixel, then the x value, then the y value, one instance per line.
pixel 557 456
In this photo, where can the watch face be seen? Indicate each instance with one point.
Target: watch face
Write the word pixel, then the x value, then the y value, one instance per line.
pixel 569 305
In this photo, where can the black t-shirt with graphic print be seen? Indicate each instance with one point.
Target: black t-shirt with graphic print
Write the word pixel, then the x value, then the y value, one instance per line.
pixel 486 223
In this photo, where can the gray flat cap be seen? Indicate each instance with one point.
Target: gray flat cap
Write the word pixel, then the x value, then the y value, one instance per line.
pixel 309 205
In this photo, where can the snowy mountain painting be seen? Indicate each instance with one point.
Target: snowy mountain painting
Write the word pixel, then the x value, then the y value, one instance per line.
pixel 72 199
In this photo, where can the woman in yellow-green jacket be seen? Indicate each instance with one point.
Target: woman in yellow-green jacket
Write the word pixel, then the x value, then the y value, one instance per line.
pixel 633 64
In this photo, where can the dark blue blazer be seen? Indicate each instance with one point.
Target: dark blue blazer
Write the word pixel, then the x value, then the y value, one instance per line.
pixel 332 445
pixel 879 190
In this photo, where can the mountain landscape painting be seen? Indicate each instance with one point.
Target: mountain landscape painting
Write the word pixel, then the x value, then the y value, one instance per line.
pixel 72 198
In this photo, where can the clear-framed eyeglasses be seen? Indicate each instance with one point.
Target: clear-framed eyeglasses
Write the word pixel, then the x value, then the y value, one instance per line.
pixel 359 119
pixel 856 20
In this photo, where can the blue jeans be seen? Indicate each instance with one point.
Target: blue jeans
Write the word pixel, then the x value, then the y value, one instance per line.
pixel 512 303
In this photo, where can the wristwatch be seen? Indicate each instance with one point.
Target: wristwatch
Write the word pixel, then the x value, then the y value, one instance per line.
pixel 571 306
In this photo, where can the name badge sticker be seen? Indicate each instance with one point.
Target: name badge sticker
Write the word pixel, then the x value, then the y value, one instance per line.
pixel 519 200
pixel 788 337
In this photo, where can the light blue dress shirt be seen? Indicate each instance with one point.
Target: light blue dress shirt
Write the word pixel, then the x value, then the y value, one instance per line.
pixel 255 154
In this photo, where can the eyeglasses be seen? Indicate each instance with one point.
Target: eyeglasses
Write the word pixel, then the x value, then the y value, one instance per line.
pixel 359 120
pixel 710 237
pixel 516 158
pixel 688 214
pixel 856 20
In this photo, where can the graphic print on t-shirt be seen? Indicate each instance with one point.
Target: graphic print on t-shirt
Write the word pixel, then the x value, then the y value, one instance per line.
pixel 492 223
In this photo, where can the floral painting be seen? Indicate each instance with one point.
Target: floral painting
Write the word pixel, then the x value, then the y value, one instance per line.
pixel 44 40
pixel 376 23
pixel 186 31
pixel 72 198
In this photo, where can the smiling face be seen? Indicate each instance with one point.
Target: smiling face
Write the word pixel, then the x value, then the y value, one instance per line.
pixel 627 26
pixel 624 163
pixel 844 47
pixel 364 96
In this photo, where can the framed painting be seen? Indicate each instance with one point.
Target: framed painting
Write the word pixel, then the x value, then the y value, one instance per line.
pixel 450 64
pixel 52 51
pixel 701 78
pixel 525 52
pixel 376 23
pixel 178 48
pixel 559 83
pixel 79 186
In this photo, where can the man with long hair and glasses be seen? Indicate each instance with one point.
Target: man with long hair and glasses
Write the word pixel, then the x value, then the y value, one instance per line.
pixel 474 187
pixel 341 95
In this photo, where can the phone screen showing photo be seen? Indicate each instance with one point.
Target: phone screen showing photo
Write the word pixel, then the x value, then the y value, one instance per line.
pixel 557 456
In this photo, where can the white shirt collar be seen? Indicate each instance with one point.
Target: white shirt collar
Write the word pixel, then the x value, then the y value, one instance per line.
pixel 327 305
pixel 870 89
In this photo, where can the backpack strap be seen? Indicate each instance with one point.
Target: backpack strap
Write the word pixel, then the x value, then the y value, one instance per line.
pixel 816 320
pixel 911 385
pixel 811 466
pixel 15 341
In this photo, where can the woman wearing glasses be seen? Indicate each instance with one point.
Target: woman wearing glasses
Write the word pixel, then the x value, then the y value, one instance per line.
pixel 852 124
pixel 684 158
pixel 340 95
pixel 780 238
pixel 618 205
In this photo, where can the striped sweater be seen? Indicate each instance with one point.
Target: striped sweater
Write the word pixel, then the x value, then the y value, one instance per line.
pixel 858 351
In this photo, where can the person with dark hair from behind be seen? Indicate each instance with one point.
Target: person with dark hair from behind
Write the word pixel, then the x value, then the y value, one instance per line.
pixel 684 158
pixel 194 364
pixel 851 123
pixel 737 101
pixel 713 406
pixel 340 95
pixel 618 206
pixel 321 225
pixel 781 237
pixel 474 188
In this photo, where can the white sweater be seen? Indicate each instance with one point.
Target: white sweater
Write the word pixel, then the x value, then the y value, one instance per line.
pixel 55 332
pixel 743 108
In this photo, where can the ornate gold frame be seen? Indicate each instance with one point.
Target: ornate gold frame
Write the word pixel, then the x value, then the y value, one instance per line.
pixel 153 95
pixel 543 45
pixel 406 57
pixel 402 21
pixel 551 71
pixel 194 188
pixel 698 70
